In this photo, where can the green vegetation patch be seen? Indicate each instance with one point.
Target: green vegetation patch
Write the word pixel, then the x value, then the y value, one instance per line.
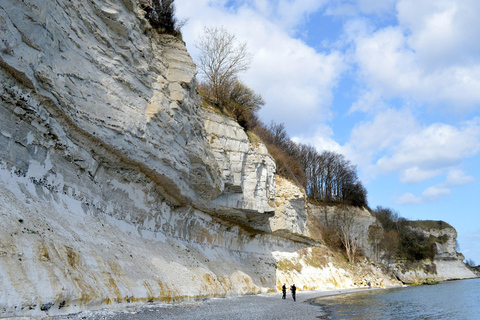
pixel 405 239
pixel 253 138
pixel 442 239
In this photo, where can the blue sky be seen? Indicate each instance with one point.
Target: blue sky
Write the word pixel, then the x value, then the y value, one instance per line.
pixel 392 84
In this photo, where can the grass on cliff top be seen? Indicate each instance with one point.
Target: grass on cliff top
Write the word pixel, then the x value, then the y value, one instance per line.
pixel 429 224
pixel 209 106
pixel 253 138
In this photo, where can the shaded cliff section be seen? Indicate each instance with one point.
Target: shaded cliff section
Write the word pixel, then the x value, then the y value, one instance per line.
pixel 117 188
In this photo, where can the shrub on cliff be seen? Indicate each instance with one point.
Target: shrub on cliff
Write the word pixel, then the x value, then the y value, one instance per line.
pixel 470 263
pixel 240 102
pixel 161 14
pixel 327 177
pixel 402 239
pixel 414 246
pixel 220 60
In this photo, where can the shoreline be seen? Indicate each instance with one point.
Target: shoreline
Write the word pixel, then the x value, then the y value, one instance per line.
pixel 258 306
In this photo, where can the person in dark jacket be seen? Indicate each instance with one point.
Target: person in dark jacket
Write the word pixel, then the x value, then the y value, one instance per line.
pixel 294 291
pixel 284 291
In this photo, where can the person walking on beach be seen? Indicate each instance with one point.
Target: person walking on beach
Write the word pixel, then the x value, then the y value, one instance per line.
pixel 284 291
pixel 294 290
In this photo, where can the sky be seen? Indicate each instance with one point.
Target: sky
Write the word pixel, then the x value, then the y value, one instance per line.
pixel 394 85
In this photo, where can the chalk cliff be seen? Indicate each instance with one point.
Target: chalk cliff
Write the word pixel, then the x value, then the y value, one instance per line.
pixel 118 188
pixel 447 264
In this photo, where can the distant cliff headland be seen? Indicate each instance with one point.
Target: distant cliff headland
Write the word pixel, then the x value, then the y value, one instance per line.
pixel 117 187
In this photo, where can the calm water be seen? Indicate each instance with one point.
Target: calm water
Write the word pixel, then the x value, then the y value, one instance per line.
pixel 446 300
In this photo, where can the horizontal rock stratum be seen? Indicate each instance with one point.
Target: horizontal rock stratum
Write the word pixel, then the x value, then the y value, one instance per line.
pixel 118 188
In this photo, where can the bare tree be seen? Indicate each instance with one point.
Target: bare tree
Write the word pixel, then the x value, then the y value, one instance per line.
pixel 375 235
pixel 471 263
pixel 222 57
pixel 344 223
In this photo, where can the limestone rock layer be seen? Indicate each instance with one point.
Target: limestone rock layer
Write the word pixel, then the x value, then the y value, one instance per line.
pixel 118 188
pixel 115 187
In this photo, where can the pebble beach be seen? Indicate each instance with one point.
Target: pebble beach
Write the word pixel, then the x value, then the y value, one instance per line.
pixel 262 306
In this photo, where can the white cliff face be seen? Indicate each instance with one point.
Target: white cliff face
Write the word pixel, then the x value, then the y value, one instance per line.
pixel 103 74
pixel 358 221
pixel 117 188
pixel 290 219
pixel 439 270
pixel 445 247
pixel 59 254
pixel 447 264
pixel 247 170
pixel 106 89
pixel 105 168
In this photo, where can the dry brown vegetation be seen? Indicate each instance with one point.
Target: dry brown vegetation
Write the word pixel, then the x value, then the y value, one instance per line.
pixel 288 265
pixel 318 258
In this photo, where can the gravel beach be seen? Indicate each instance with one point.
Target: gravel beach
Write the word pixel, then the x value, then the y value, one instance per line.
pixel 263 306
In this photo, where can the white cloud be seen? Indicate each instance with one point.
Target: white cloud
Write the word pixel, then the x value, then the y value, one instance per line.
pixel 394 141
pixel 368 101
pixel 434 193
pixel 441 32
pixel 429 60
pixel 416 175
pixel 295 80
pixel 408 199
pixel 436 147
pixel 292 12
pixel 375 6
pixel 386 129
pixel 372 139
pixel 455 177
pixel 430 57
pixel 321 140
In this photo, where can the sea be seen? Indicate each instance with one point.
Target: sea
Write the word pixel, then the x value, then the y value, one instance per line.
pixel 458 299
